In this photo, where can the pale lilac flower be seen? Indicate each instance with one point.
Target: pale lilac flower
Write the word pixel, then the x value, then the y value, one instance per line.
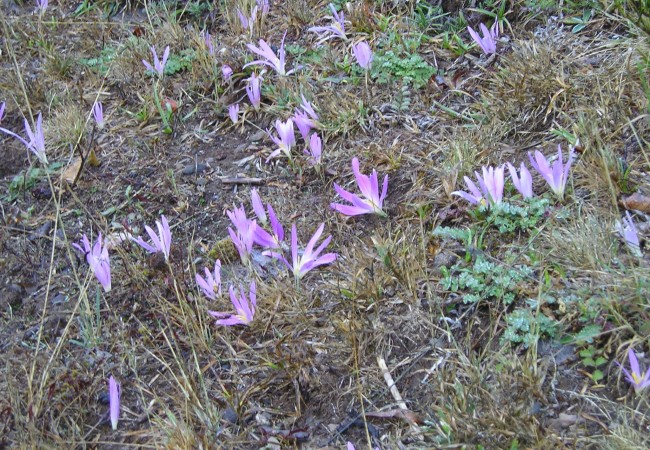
pixel 36 142
pixel 98 260
pixel 273 239
pixel 114 394
pixel 243 236
pixel 488 42
pixel 557 175
pixel 258 207
pixel 337 29
pixel 363 54
pixel 245 308
pixel 286 138
pixel 522 182
pixel 2 111
pixel 211 284
pixel 233 112
pixel 638 380
pixel 369 187
pixel 627 230
pixel 269 57
pixel 491 184
pixel 243 20
pixel 41 6
pixel 227 72
pixel 161 242
pixel 98 113
pixel 315 149
pixel 208 42
pixel 263 5
pixel 254 90
pixel 308 108
pixel 158 65
pixel 303 122
pixel 310 257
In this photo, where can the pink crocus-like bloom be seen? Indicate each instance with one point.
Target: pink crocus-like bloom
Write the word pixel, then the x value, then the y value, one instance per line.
pixel 244 307
pixel 114 394
pixel 337 29
pixel 263 5
pixel 211 284
pixel 273 239
pixel 233 112
pixel 310 258
pixel 303 122
pixel 638 380
pixel 245 21
pixel 243 236
pixel 227 72
pixel 369 187
pixel 98 260
pixel 488 42
pixel 98 114
pixel 523 182
pixel 363 54
pixel 254 91
pixel 629 233
pixel 491 184
pixel 258 207
pixel 556 175
pixel 41 6
pixel 158 65
pixel 208 42
pixel 308 108
pixel 315 149
pixel 286 138
pixel 36 142
pixel 269 57
pixel 161 242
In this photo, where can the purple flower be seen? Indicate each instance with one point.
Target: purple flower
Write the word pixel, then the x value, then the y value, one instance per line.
pixel 233 112
pixel 286 138
pixel 491 184
pixel 97 258
pixel 303 122
pixel 98 113
pixel 161 242
pixel 211 281
pixel 36 142
pixel 488 42
pixel 2 111
pixel 369 187
pixel 243 236
pixel 208 42
pixel 363 54
pixel 159 65
pixel 308 108
pixel 310 258
pixel 41 6
pixel 315 149
pixel 245 308
pixel 114 394
pixel 337 29
pixel 226 71
pixel 263 5
pixel 258 207
pixel 273 239
pixel 243 20
pixel 253 89
pixel 638 380
pixel 524 182
pixel 557 175
pixel 269 57
pixel 629 233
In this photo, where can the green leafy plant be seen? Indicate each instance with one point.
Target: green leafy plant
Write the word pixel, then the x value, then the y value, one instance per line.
pixel 508 218
pixel 525 327
pixel 410 68
pixel 592 359
pixel 485 280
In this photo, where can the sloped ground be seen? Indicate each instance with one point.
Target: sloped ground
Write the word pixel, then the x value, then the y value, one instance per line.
pixel 441 325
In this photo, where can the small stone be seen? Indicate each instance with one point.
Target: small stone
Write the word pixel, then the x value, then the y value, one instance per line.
pixel 191 169
pixel 257 136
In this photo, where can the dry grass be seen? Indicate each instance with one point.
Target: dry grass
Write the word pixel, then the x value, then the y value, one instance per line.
pixel 313 369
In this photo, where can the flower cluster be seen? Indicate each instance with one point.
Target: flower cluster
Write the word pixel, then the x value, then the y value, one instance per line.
pixel 487 42
pixel 491 182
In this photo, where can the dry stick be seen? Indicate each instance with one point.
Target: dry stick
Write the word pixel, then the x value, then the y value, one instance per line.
pixel 396 395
